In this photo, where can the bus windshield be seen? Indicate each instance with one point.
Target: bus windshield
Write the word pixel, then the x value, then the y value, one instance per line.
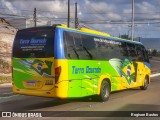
pixel 34 43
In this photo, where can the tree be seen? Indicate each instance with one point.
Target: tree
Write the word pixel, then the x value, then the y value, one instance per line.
pixel 124 36
pixel 154 52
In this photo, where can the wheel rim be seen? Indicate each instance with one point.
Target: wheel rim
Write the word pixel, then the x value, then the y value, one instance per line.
pixel 105 91
pixel 145 83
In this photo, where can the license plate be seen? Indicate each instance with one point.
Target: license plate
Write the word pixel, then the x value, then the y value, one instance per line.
pixel 30 83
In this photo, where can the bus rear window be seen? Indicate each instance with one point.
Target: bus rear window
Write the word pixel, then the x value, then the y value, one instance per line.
pixel 34 43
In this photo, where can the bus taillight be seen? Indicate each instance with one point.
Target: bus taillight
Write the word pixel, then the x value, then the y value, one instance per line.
pixel 57 73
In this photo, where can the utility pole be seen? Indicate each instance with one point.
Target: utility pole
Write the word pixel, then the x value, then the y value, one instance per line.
pixel 132 33
pixel 34 17
pixel 128 33
pixel 76 18
pixel 68 21
pixel 139 39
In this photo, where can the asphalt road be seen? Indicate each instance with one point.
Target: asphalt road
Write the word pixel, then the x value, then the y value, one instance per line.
pixel 126 100
pixel 155 65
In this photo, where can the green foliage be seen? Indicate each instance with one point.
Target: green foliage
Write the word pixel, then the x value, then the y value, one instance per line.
pixel 124 36
pixel 154 52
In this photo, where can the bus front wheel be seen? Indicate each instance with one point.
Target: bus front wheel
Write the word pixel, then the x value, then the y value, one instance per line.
pixel 104 91
pixel 145 85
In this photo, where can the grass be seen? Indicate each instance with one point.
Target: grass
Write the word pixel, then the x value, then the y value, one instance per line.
pixel 5 79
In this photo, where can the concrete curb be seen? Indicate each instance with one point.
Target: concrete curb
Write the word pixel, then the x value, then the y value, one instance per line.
pixel 154 75
pixel 5 85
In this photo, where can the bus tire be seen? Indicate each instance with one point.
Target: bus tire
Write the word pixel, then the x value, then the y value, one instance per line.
pixel 104 91
pixel 145 85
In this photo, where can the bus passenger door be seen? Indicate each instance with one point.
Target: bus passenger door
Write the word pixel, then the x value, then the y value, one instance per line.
pixel 140 73
pixel 140 65
pixel 131 68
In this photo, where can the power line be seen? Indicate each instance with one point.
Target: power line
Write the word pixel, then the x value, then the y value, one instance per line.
pixel 38 10
pixel 63 12
pixel 6 15
pixel 150 13
pixel 17 9
pixel 117 22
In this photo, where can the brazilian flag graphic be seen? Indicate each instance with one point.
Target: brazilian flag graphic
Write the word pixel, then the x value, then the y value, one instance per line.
pixel 42 67
pixel 129 77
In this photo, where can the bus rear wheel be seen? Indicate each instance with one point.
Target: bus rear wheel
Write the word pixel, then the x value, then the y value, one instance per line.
pixel 145 85
pixel 104 91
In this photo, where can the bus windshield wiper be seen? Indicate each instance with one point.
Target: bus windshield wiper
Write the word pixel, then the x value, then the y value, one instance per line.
pixel 90 55
pixel 75 52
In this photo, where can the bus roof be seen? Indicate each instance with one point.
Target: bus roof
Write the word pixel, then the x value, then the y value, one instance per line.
pixel 94 32
pixel 85 31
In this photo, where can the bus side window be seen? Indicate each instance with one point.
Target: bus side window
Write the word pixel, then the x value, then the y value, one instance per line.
pixel 145 55
pixel 124 51
pixel 132 52
pixel 69 45
pixel 102 50
pixel 140 57
pixel 80 47
pixel 89 47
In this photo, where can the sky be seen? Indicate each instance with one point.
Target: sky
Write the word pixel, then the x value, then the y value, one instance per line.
pixel 111 16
